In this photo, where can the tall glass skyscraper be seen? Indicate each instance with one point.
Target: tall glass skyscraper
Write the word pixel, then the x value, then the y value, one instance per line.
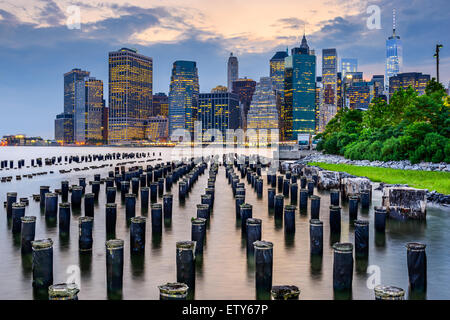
pixel 88 116
pixel 277 66
pixel 70 78
pixel 263 113
pixel 329 75
pixel 394 53
pixel 233 71
pixel 218 110
pixel 303 91
pixel 130 95
pixel 244 88
pixel 160 105
pixel 348 65
pixel 183 96
pixel 286 125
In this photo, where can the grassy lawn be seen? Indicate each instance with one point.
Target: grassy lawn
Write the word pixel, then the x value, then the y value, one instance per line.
pixel 439 181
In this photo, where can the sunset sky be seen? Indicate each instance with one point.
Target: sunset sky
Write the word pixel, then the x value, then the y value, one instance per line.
pixel 37 47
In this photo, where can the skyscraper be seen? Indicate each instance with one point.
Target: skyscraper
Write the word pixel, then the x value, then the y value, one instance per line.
pixel 263 113
pixel 416 80
pixel 360 94
pixel 160 105
pixel 303 90
pixel 64 128
pixel 88 115
pixel 70 78
pixel 329 75
pixel 233 71
pixel 157 128
pixel 277 66
pixel 70 93
pixel 394 53
pixel 218 110
pixel 286 125
pixel 130 95
pixel 348 65
pixel 183 96
pixel 378 85
pixel 244 88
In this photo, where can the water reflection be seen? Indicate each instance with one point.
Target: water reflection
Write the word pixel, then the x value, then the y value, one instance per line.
pixel 289 240
pixel 156 240
pixel 85 262
pixel 380 239
pixel 334 238
pixel 27 265
pixel 40 294
pixel 342 295
pixel 316 265
pixel 137 265
pixel 361 264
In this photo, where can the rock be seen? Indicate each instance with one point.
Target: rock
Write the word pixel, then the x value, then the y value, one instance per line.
pixel 328 180
pixel 354 186
pixel 309 171
pixel 405 203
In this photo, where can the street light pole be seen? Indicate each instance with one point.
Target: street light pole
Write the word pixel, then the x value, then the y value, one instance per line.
pixel 436 55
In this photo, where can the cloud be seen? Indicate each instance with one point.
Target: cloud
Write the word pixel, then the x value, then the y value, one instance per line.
pixel 290 23
pixel 51 14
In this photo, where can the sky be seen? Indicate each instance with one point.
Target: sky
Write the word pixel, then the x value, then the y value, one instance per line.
pixel 40 41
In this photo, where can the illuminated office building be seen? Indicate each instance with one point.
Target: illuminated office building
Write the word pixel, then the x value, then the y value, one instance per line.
pixel 353 77
pixel 378 86
pixel 319 101
pixel 160 105
pixel 64 128
pixel 157 128
pixel 416 80
pixel 286 125
pixel 88 115
pixel 130 95
pixel 232 71
pixel 324 111
pixel 360 94
pixel 218 110
pixel 183 96
pixel 277 66
pixel 263 113
pixel 329 75
pixel 219 89
pixel 348 65
pixel 394 53
pixel 303 90
pixel 70 78
pixel 244 88
pixel 105 116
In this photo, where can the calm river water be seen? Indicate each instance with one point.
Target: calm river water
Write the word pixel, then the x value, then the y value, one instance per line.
pixel 225 272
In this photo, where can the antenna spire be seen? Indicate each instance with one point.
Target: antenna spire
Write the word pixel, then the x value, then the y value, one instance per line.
pixel 393 22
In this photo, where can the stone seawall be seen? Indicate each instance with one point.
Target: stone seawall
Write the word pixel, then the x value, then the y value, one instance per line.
pixel 328 180
pixel 404 164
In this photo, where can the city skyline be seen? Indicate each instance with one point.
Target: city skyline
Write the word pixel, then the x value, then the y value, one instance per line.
pixel 330 32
